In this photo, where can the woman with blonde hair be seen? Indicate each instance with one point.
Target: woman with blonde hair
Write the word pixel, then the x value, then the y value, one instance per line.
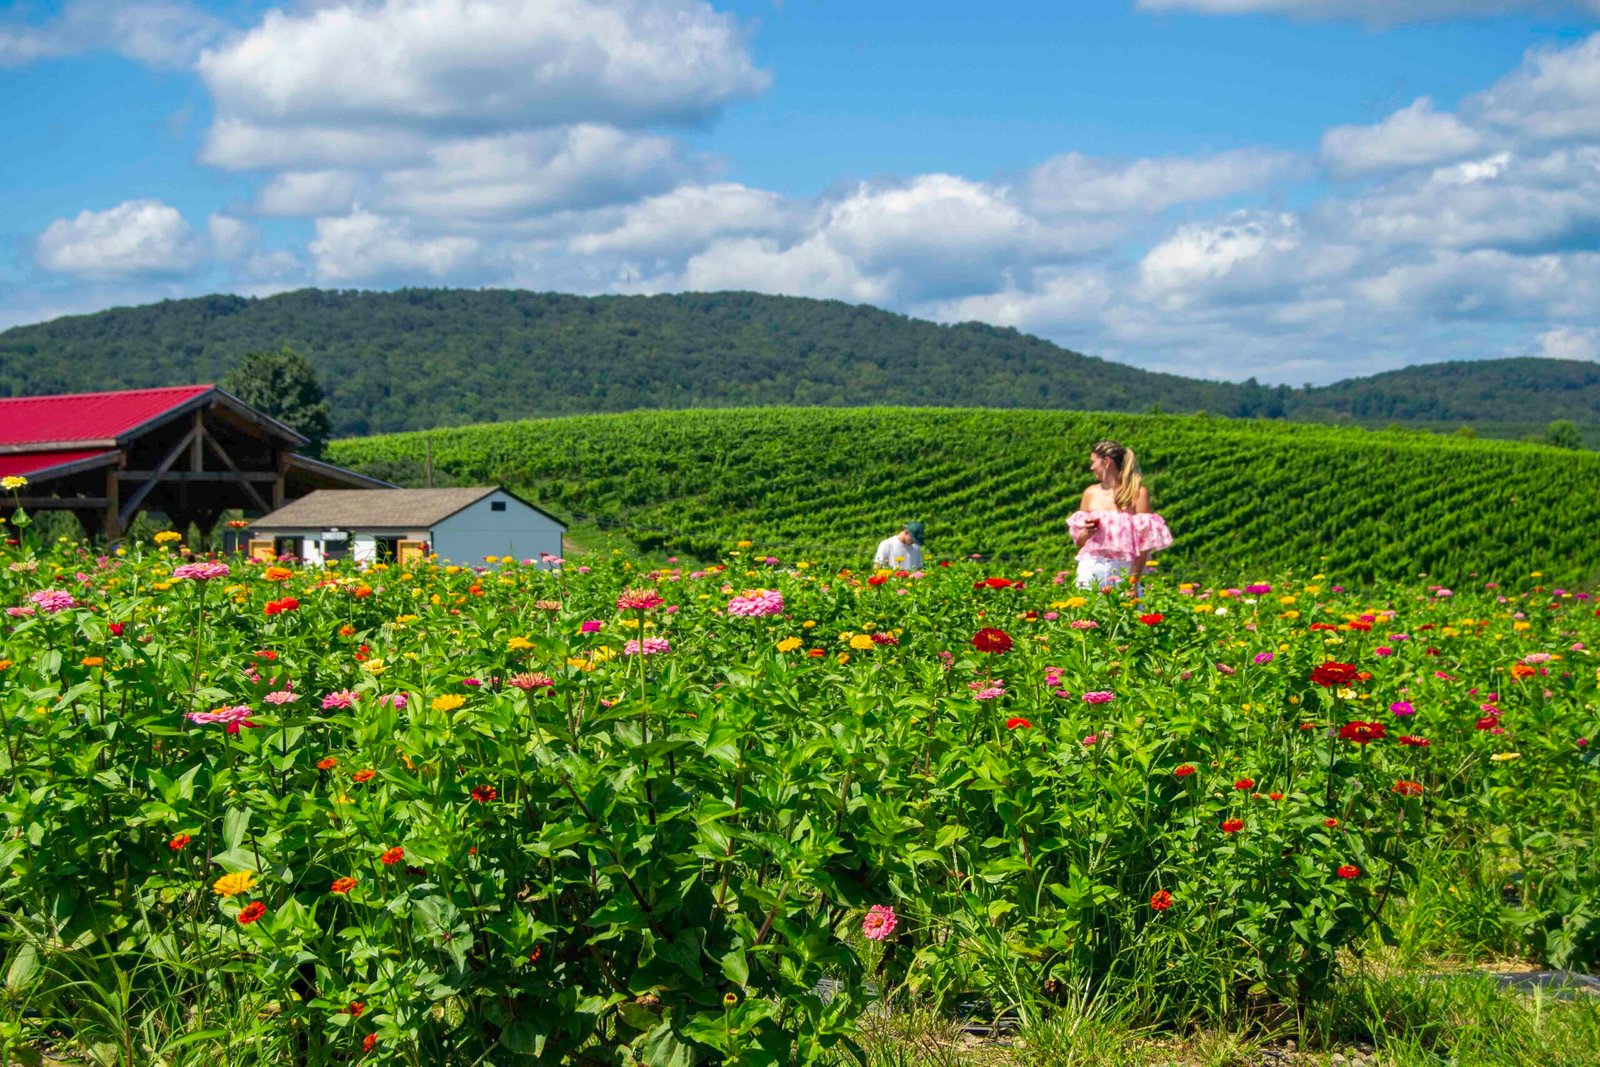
pixel 1114 528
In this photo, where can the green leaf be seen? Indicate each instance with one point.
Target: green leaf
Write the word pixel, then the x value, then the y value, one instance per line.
pixel 25 966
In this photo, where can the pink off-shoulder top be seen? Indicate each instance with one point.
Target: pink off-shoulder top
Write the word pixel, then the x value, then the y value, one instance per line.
pixel 1122 534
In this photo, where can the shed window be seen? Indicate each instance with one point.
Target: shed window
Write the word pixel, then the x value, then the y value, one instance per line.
pixel 497 505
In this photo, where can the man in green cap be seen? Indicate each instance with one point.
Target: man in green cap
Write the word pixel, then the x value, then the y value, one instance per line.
pixel 903 551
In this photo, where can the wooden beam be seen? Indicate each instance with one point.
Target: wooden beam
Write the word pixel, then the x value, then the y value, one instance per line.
pixel 58 446
pixel 131 508
pixel 197 442
pixel 222 453
pixel 110 522
pixel 197 476
pixel 58 503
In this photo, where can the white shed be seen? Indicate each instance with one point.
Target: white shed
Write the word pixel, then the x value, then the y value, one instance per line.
pixel 460 525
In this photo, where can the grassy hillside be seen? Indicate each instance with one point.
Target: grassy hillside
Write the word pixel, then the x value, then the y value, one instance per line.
pixel 830 483
pixel 430 357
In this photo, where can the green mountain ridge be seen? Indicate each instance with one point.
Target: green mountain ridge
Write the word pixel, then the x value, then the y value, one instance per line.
pixel 420 358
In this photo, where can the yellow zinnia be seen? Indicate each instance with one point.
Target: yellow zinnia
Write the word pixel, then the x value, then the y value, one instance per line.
pixel 788 644
pixel 861 642
pixel 448 702
pixel 234 883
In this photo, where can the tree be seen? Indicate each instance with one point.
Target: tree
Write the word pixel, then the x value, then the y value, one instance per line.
pixel 1563 434
pixel 284 385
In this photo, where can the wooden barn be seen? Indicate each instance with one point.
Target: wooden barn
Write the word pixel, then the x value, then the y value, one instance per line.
pixel 460 525
pixel 190 452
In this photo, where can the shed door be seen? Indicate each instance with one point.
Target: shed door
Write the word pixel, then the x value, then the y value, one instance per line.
pixel 411 550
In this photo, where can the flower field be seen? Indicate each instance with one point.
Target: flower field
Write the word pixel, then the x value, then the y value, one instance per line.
pixel 439 815
pixel 1238 494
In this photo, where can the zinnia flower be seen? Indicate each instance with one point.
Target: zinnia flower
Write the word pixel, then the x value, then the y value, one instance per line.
pixel 1413 741
pixel 343 885
pixel 1244 783
pixel 991 640
pixel 362 777
pixel 344 698
pixel 327 763
pixel 1183 770
pixel 1348 870
pixel 448 702
pixel 179 842
pixel 1362 733
pixel 1018 723
pixel 1264 657
pixel 201 572
pixel 639 600
pixel 234 883
pixel 879 923
pixel 652 646
pixel 1102 696
pixel 529 682
pixel 1232 826
pixel 1406 789
pixel 1160 900
pixel 1331 674
pixel 251 912
pixel 484 794
pixel 1402 707
pixel 53 601
pixel 762 602
pixel 1152 619
pixel 393 856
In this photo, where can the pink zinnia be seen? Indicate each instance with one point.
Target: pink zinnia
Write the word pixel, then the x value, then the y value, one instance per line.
pixel 758 603
pixel 1084 624
pixel 53 601
pixel 1103 696
pixel 879 923
pixel 283 696
pixel 344 698
pixel 527 682
pixel 652 646
pixel 591 626
pixel 1264 657
pixel 201 572
pixel 233 717
pixel 396 700
pixel 638 600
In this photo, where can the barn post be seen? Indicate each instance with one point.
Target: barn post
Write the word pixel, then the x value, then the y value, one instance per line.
pixel 111 524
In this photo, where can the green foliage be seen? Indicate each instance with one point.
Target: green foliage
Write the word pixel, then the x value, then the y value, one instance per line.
pixel 419 358
pixel 1237 494
pixel 1563 434
pixel 284 385
pixel 561 852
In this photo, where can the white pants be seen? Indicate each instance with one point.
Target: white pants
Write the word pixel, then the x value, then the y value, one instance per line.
pixel 1106 575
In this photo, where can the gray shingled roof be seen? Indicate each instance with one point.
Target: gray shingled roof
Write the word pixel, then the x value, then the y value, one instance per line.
pixel 367 509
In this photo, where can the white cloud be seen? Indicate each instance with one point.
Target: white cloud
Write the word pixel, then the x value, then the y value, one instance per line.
pixel 1375 12
pixel 1198 258
pixel 304 193
pixel 1058 300
pixel 435 66
pixel 1567 342
pixel 1554 95
pixel 238 145
pixel 137 237
pixel 156 32
pixel 1414 136
pixel 362 246
pixel 689 217
pixel 810 268
pixel 231 239
pixel 518 174
pixel 1078 184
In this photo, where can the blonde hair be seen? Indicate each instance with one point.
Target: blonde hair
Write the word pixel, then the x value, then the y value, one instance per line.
pixel 1129 478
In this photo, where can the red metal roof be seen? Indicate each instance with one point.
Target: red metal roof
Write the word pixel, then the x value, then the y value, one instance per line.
pixel 26 420
pixel 28 463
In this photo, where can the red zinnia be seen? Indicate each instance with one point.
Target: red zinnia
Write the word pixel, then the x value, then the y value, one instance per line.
pixel 1330 823
pixel 343 885
pixel 1244 783
pixel 994 583
pixel 1414 741
pixel 1183 770
pixel 877 579
pixel 363 776
pixel 1274 796
pixel 1362 733
pixel 393 856
pixel 1018 723
pixel 357 1007
pixel 1406 789
pixel 117 628
pixel 1151 619
pixel 369 1042
pixel 251 912
pixel 483 794
pixel 1332 674
pixel 1232 826
pixel 989 639
pixel 178 842
pixel 1161 900
pixel 327 763
pixel 1347 870
pixel 816 653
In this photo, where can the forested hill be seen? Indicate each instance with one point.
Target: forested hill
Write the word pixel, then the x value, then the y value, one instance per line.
pixel 416 359
pixel 420 358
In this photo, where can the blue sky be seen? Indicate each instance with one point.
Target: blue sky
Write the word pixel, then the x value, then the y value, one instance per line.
pixel 1298 190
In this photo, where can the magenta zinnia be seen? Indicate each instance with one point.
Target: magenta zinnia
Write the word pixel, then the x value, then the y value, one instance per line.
pixel 638 600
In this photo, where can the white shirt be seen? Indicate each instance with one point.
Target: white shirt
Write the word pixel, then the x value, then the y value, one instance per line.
pixel 891 553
